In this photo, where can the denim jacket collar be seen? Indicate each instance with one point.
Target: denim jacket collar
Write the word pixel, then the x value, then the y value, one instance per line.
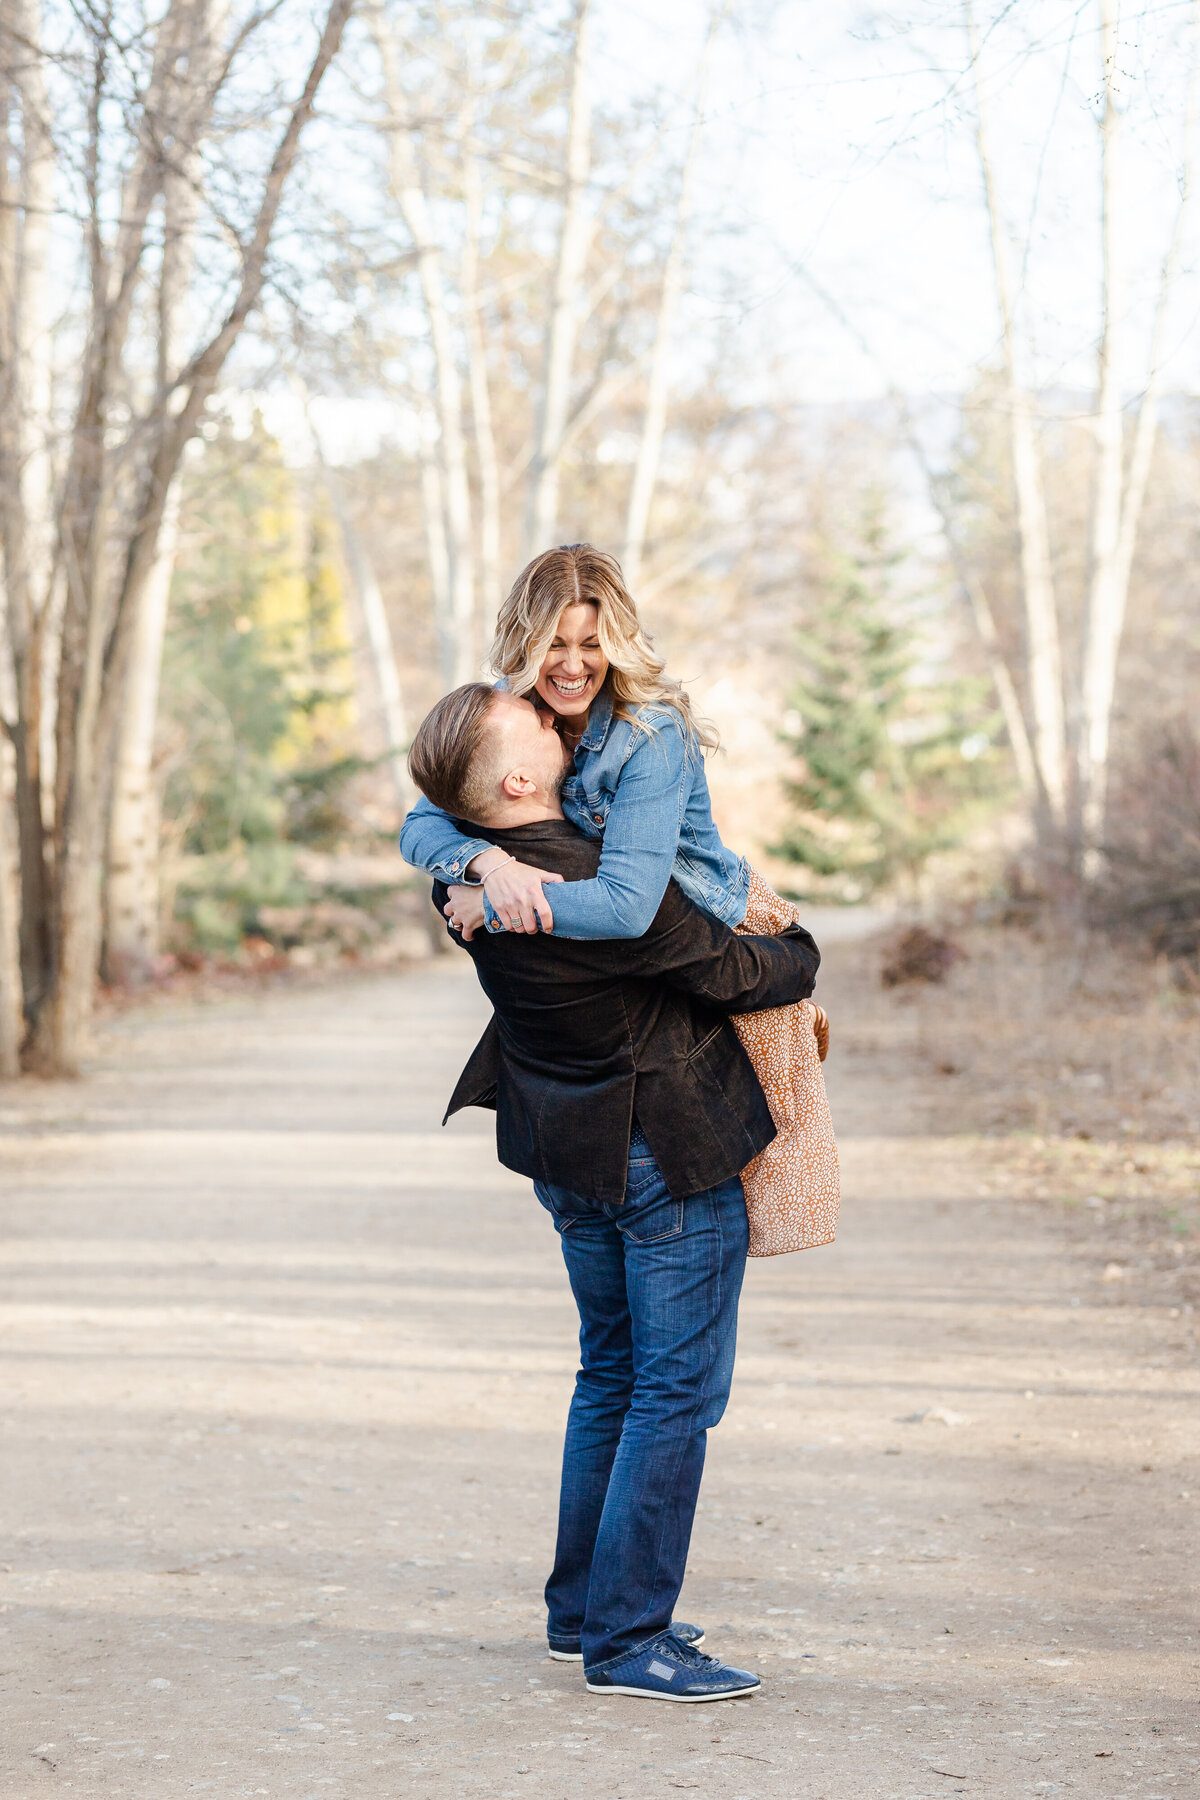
pixel 599 722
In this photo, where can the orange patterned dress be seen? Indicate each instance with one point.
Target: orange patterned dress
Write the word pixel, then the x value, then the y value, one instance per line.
pixel 793 1191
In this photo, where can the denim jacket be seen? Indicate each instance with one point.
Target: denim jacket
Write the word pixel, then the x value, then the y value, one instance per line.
pixel 645 794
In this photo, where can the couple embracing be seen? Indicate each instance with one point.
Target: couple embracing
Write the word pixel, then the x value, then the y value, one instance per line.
pixel 567 823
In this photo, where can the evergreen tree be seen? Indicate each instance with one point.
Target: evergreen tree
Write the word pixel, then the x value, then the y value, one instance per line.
pixel 891 766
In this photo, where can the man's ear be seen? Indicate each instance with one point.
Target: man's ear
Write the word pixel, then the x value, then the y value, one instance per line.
pixel 517 785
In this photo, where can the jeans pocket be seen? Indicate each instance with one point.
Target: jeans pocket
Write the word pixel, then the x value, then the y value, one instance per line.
pixel 650 1224
pixel 563 1220
pixel 643 1174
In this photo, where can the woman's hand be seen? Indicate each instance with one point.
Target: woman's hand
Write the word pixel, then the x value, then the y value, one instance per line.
pixel 464 909
pixel 515 891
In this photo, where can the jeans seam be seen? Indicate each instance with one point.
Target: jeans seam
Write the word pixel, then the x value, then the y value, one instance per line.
pixel 625 1655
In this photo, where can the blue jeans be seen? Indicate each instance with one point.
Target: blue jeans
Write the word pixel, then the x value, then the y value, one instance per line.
pixel 656 1282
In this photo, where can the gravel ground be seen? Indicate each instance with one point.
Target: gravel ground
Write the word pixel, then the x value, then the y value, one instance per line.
pixel 285 1371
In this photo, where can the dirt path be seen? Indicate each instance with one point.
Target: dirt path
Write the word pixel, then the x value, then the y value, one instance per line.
pixel 285 1369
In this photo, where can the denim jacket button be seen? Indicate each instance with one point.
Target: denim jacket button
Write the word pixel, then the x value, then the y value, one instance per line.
pixel 599 818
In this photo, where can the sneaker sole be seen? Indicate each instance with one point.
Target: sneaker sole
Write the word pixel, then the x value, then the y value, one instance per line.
pixel 577 1655
pixel 679 1699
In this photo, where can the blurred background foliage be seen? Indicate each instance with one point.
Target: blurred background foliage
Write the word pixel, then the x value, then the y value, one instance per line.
pixel 259 745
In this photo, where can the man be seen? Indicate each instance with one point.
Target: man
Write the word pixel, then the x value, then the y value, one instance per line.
pixel 621 1088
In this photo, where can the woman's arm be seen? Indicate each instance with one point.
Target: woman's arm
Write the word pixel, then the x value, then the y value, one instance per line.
pixel 641 838
pixel 430 839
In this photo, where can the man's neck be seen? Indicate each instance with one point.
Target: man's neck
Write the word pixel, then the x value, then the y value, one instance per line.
pixel 532 811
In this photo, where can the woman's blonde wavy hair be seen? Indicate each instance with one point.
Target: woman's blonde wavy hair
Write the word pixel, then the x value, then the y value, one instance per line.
pixel 528 620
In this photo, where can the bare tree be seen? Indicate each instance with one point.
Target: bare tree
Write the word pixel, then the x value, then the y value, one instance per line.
pixel 26 471
pixel 453 491
pixel 1072 768
pixel 1043 648
pixel 654 418
pixel 1120 492
pixel 115 486
pixel 373 623
pixel 487 459
pixel 131 887
pixel 576 228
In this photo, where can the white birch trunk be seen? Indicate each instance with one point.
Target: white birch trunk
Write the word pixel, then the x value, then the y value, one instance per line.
pixel 376 638
pixel 378 635
pixel 1118 502
pixel 1043 647
pixel 1105 603
pixel 645 474
pixel 410 196
pixel 34 313
pixel 131 927
pixel 575 236
pixel 433 513
pixel 28 195
pixel 12 1022
pixel 486 460
pixel 132 890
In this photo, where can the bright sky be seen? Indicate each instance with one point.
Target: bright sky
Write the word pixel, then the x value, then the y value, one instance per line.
pixel 839 142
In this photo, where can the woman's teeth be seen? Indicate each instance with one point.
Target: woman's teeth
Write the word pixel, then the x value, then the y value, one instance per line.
pixel 570 688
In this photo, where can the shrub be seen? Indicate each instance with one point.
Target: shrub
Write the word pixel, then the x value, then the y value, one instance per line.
pixel 1150 882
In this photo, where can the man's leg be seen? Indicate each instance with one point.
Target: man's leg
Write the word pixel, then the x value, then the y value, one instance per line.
pixel 683 1267
pixel 594 1254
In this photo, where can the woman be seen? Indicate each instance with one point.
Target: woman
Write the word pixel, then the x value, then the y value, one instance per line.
pixel 569 635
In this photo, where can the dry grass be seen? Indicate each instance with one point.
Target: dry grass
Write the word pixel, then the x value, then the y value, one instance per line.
pixel 1062 1040
pixel 1066 1073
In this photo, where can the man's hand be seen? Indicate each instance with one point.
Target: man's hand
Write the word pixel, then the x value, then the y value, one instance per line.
pixel 464 909
pixel 515 891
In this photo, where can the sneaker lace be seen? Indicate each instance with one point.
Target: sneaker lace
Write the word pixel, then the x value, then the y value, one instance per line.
pixel 690 1657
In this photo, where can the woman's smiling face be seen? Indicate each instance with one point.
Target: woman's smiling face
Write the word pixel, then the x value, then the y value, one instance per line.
pixel 575 666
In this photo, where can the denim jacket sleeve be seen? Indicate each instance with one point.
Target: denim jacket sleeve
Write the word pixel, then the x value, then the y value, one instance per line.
pixel 429 839
pixel 641 839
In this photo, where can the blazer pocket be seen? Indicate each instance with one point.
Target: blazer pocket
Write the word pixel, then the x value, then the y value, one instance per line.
pixel 709 1037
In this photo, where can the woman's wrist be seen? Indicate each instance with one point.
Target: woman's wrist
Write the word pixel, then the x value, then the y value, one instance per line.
pixel 483 864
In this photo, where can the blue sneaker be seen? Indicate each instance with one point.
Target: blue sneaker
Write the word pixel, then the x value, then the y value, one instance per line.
pixel 687 1634
pixel 669 1670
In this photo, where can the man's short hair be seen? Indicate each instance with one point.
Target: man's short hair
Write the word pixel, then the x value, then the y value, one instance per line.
pixel 449 760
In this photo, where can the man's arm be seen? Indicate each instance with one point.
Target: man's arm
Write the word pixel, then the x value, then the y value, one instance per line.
pixel 689 949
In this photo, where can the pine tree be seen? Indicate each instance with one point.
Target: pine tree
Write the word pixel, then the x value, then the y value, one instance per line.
pixel 891 767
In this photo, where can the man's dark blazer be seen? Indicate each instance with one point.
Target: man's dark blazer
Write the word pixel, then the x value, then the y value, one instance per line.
pixel 587 1034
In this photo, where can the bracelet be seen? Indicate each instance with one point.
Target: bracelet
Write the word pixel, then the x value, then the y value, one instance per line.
pixel 465 880
pixel 492 870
